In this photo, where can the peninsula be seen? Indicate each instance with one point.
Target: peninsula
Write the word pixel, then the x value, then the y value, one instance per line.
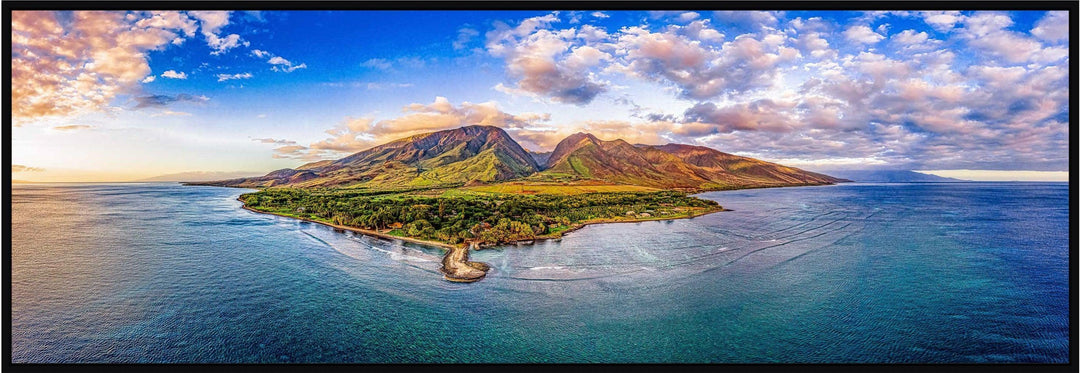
pixel 473 187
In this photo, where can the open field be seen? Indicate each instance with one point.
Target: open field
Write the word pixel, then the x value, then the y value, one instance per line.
pixel 555 189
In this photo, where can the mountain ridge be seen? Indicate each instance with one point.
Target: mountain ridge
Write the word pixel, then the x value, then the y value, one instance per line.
pixel 472 155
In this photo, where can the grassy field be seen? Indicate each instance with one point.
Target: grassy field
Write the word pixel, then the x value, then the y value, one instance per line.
pixel 555 189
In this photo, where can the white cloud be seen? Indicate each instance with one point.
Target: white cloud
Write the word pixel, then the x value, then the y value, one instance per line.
pixel 465 35
pixel 221 45
pixel 942 21
pixel 170 20
pixel 224 77
pixel 377 63
pixel 148 79
pixel 1052 27
pixel 174 75
pixel 289 68
pixel 552 63
pixel 280 63
pixel 211 23
pixel 688 16
pixel 987 32
pixel 862 34
pixel 910 37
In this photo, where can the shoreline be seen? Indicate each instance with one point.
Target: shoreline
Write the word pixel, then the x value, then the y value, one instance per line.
pixel 578 226
pixel 354 229
pixel 456 266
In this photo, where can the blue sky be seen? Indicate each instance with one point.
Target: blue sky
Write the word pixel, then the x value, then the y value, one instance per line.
pixel 126 95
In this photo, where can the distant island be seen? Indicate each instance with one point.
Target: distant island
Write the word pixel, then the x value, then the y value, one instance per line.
pixel 891 176
pixel 196 176
pixel 474 187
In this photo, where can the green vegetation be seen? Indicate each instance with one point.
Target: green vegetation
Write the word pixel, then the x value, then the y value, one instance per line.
pixel 559 189
pixel 458 216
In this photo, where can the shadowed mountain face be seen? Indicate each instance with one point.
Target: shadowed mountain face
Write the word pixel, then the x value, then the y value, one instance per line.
pixel 457 156
pixel 483 154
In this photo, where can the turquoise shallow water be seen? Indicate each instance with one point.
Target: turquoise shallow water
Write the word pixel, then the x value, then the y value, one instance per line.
pixel 900 273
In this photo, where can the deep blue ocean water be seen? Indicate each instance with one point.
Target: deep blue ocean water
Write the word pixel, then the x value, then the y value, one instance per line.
pixel 872 273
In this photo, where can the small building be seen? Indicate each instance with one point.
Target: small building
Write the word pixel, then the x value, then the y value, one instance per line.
pixel 395 225
pixel 630 213
pixel 300 210
pixel 645 215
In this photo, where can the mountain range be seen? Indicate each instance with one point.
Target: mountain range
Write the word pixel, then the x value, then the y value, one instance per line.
pixel 476 155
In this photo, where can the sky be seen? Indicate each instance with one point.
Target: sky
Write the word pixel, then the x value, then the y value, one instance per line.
pixel 120 96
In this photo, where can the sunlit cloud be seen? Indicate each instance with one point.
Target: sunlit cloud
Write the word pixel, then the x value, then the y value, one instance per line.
pixel 81 65
pixel 21 168
pixel 545 62
pixel 73 127
pixel 211 23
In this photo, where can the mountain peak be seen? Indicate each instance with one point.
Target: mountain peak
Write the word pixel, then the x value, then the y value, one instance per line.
pixel 477 128
pixel 569 145
pixel 578 137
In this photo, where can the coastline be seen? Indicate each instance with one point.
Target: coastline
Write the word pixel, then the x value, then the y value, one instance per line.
pixel 578 226
pixel 354 229
pixel 456 266
pixel 441 245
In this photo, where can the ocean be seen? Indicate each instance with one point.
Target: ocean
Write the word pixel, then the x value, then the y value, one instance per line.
pixel 849 273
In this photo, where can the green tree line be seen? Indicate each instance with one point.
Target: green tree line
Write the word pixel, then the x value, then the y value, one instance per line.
pixel 486 219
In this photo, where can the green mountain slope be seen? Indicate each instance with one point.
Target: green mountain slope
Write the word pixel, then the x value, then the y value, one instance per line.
pixel 443 158
pixel 669 166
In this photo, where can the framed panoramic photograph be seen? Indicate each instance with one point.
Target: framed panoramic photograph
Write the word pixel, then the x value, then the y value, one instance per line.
pixel 805 183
